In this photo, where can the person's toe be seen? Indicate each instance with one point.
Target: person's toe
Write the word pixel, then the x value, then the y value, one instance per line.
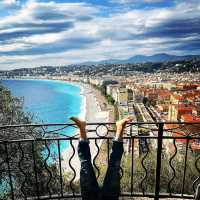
pixel 76 120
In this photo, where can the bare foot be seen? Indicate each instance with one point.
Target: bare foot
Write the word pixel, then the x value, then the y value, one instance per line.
pixel 120 125
pixel 81 125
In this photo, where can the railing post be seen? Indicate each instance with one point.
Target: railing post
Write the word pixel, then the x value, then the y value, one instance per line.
pixel 158 165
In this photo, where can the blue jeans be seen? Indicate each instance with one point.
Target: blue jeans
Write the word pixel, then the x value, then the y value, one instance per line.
pixel 111 186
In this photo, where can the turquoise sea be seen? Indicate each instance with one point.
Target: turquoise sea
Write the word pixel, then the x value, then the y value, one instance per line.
pixel 49 101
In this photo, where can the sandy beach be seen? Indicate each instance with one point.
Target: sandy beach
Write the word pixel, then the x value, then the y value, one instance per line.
pixel 94 110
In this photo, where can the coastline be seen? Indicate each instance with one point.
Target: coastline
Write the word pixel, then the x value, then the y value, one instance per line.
pixel 83 112
pixel 91 112
pixel 94 109
pixel 89 96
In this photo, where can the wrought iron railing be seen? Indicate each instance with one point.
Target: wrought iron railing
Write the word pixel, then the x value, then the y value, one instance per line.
pixel 41 162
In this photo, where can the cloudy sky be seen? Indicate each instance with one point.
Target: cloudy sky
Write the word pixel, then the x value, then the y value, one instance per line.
pixel 59 32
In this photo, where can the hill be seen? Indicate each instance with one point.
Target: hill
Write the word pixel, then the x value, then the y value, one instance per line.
pixel 142 59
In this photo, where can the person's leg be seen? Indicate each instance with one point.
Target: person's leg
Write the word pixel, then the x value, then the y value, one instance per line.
pixel 88 182
pixel 111 185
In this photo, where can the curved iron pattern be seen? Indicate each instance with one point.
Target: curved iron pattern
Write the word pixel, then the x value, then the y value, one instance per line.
pixel 143 166
pixel 60 168
pixel 173 169
pixel 3 152
pixel 74 171
pixel 22 171
pixel 198 169
pixel 47 169
pixel 98 129
pixel 35 170
pixel 9 171
pixel 185 166
pixel 94 159
pixel 121 172
pixel 53 133
pixel 3 163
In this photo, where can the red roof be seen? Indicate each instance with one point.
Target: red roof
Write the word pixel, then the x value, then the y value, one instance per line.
pixel 164 94
pixel 179 134
pixel 190 118
pixel 182 107
pixel 185 108
pixel 178 97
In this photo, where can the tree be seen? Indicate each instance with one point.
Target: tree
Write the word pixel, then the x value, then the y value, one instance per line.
pixel 29 161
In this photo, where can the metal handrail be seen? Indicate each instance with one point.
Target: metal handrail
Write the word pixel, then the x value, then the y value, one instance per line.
pixel 28 177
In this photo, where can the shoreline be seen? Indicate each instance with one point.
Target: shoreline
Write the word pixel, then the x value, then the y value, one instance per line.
pixel 92 113
pixel 88 94
pixel 83 110
pixel 93 109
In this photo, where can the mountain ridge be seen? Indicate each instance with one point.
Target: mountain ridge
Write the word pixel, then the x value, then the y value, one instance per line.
pixel 162 57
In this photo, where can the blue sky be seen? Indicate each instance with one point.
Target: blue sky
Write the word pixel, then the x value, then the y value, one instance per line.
pixel 60 32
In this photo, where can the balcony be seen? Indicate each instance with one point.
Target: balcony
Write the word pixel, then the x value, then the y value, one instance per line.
pixel 160 160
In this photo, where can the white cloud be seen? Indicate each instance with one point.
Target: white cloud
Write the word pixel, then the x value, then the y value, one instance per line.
pixel 135 1
pixel 8 5
pixel 115 35
pixel 8 2
pixel 30 11
pixel 13 47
